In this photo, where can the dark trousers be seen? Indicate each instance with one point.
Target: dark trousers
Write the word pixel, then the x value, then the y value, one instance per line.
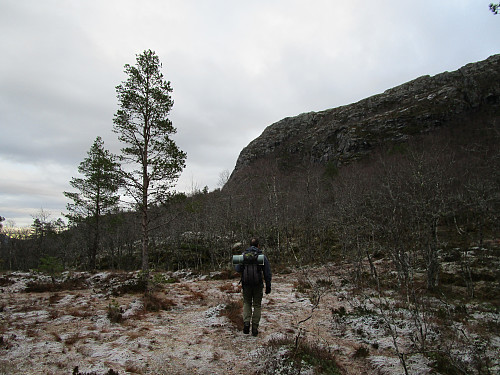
pixel 252 300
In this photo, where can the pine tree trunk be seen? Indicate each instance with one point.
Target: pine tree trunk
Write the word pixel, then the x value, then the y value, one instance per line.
pixel 145 255
pixel 145 225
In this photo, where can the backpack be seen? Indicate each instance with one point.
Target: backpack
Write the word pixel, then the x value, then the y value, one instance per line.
pixel 252 271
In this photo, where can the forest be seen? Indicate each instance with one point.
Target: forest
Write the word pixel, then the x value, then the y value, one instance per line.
pixel 408 202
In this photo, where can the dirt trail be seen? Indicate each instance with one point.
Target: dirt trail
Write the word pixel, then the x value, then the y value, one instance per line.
pixel 51 333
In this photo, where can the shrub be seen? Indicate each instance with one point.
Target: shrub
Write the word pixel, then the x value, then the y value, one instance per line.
pixel 115 312
pixel 361 352
pixel 42 287
pixel 156 302
pixel 160 279
pixel 5 281
pixel 233 311
pixel 297 355
pixel 444 364
pixel 302 286
pixel 341 311
pixel 130 287
pixel 51 266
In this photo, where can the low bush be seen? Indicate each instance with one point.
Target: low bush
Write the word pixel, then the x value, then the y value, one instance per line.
pixel 157 302
pixel 5 281
pixel 298 356
pixel 57 286
pixel 135 286
pixel 233 311
pixel 115 312
pixel 361 352
pixel 302 286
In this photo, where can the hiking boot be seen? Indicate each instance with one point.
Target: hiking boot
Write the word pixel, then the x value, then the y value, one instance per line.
pixel 255 330
pixel 246 328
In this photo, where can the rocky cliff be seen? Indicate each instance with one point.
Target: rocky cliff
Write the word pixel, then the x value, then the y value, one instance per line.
pixel 347 133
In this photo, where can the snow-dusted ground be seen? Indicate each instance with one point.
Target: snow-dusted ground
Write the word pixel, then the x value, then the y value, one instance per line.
pixel 53 332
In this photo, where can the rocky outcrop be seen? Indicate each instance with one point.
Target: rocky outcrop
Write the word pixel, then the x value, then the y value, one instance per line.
pixel 347 133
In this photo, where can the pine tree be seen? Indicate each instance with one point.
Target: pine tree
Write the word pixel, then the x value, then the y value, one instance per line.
pixel 98 193
pixel 142 124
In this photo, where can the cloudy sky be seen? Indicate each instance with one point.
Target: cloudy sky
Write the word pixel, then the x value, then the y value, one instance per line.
pixel 235 67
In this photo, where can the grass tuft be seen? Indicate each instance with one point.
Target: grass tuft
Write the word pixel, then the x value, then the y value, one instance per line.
pixel 157 302
pixel 233 312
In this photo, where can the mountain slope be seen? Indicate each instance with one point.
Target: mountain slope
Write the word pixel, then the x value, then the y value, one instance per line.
pixel 347 133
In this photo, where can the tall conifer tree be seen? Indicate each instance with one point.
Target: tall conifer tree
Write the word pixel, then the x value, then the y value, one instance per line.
pixel 142 124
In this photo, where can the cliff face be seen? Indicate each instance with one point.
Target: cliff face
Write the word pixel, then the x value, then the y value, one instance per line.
pixel 347 133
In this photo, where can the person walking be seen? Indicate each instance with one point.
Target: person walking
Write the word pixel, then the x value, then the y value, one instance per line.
pixel 254 271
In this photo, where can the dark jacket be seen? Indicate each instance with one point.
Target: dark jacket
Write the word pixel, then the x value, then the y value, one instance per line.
pixel 266 268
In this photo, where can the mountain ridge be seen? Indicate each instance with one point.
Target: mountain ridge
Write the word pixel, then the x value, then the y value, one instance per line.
pixel 349 132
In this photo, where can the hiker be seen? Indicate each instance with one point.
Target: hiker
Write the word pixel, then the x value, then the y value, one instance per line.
pixel 253 284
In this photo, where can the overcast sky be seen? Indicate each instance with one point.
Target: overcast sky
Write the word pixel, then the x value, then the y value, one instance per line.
pixel 235 67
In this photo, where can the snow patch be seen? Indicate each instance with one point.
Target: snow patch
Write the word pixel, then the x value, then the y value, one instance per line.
pixel 212 316
pixel 134 307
